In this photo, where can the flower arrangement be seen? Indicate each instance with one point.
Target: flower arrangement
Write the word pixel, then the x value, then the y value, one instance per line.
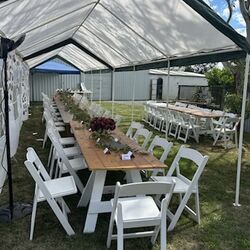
pixel 101 128
pixel 101 124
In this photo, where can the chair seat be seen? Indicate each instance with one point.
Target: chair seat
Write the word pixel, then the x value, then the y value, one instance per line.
pixel 59 187
pixel 67 140
pixel 180 186
pixel 72 151
pixel 76 164
pixel 224 130
pixel 136 209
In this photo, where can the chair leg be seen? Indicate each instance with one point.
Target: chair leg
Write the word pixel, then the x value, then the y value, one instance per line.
pixel 60 216
pixel 179 211
pixel 164 234
pixel 155 234
pixel 111 225
pixel 197 207
pixel 33 217
pixel 45 138
pixel 119 237
pixel 50 155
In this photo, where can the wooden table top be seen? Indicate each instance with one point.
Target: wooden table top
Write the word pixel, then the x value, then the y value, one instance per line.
pixel 97 160
pixel 66 116
pixel 194 112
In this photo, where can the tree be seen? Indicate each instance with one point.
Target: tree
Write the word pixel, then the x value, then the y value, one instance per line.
pixel 220 77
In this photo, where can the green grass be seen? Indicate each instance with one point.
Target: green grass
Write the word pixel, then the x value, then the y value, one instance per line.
pixel 223 226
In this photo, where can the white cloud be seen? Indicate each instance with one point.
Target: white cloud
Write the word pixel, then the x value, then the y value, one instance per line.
pixel 242 31
pixel 239 18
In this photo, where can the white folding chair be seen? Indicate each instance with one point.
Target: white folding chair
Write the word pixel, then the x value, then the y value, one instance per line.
pixel 117 120
pixel 226 130
pixel 185 187
pixel 142 136
pixel 131 211
pixel 134 126
pixel 165 145
pixel 174 124
pixel 50 190
pixel 66 165
pixel 187 128
pixel 48 118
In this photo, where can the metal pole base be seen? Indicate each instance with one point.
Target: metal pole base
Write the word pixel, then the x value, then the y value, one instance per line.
pixel 236 205
pixel 20 210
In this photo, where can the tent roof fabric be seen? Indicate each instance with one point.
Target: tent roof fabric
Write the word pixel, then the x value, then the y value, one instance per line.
pixel 119 34
pixel 55 67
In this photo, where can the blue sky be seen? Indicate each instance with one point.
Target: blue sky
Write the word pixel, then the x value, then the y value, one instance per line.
pixel 237 21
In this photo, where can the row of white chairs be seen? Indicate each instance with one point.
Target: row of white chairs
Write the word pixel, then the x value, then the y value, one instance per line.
pixel 182 126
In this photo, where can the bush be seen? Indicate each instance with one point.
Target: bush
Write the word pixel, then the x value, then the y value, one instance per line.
pixel 233 103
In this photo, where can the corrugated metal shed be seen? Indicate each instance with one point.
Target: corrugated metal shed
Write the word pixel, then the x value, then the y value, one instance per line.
pixel 49 82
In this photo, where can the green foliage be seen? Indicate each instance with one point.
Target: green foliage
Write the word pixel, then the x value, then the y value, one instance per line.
pixel 222 77
pixel 232 103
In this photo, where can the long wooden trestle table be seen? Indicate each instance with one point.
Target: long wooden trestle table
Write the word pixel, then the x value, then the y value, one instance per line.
pixel 99 163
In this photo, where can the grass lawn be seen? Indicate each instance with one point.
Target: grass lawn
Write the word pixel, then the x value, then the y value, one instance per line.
pixel 223 226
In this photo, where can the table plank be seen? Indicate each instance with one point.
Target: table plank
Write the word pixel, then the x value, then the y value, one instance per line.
pixel 97 160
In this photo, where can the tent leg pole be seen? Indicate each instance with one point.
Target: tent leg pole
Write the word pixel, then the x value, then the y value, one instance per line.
pixel 100 91
pixel 167 100
pixel 133 96
pixel 113 92
pixel 91 86
pixel 243 108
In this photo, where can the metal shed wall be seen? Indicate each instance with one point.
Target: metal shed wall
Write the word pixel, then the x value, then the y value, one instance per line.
pixel 49 82
pixel 123 85
pixel 106 85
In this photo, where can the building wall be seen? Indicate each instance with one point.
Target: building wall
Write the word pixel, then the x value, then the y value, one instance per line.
pixel 123 87
pixel 175 81
pixel 49 82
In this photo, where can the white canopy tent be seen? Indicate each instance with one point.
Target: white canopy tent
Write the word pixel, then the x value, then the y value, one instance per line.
pixel 121 35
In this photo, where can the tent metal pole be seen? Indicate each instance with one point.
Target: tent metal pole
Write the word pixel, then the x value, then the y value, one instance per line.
pixel 243 109
pixel 100 90
pixel 167 100
pixel 133 94
pixel 113 91
pixel 92 87
pixel 7 136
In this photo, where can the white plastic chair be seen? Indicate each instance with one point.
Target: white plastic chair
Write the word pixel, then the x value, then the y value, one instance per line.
pixel 131 211
pixel 48 118
pixel 49 190
pixel 226 130
pixel 134 126
pixel 146 134
pixel 165 145
pixel 185 187
pixel 174 124
pixel 187 127
pixel 117 120
pixel 66 165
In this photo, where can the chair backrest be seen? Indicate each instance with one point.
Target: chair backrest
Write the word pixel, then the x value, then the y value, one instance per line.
pixel 62 158
pixel 193 155
pixel 143 132
pixel 164 144
pixel 134 126
pixel 117 120
pixel 37 171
